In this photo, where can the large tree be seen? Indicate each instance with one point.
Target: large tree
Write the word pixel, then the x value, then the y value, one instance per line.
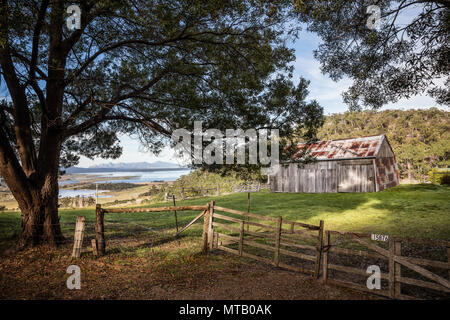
pixel 140 67
pixel 407 54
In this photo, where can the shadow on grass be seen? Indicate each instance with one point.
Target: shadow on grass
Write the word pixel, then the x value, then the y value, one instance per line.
pixel 419 210
pixel 149 244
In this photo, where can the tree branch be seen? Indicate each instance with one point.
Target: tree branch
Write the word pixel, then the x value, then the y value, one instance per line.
pixel 36 35
pixel 107 106
pixel 22 122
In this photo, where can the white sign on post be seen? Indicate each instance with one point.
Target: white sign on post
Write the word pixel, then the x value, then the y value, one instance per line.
pixel 379 237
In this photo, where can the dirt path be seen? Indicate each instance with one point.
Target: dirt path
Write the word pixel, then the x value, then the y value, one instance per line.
pixel 257 281
pixel 168 271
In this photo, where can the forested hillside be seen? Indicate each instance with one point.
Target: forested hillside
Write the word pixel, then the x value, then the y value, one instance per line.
pixel 420 138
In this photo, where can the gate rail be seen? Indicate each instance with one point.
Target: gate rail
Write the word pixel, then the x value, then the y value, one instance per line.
pixel 267 235
pixel 395 262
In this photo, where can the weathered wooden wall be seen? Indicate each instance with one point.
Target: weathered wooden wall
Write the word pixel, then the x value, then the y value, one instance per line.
pixel 324 177
pixel 356 176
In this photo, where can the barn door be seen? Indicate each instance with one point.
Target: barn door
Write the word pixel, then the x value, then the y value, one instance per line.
pixel 356 178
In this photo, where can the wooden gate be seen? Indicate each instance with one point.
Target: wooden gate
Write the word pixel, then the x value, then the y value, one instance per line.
pixel 365 246
pixel 287 244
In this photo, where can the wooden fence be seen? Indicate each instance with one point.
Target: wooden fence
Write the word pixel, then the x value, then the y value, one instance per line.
pixel 391 257
pixel 100 244
pixel 301 247
pixel 269 235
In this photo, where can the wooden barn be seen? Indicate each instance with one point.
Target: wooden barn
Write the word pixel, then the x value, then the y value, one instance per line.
pixel 365 164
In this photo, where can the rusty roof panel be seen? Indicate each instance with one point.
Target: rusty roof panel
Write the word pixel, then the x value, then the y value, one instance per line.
pixel 345 148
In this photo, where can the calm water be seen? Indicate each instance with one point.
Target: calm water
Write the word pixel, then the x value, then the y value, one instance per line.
pixel 82 193
pixel 70 181
pixel 140 176
pixel 128 176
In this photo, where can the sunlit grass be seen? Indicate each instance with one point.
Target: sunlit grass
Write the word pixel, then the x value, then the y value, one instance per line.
pixel 407 210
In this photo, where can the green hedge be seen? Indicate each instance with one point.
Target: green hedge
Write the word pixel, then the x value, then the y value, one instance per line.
pixel 439 174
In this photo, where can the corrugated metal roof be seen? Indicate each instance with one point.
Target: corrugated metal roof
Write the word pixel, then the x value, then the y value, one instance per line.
pixel 344 149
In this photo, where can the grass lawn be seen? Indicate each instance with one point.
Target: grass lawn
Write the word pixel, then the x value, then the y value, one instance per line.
pixel 407 210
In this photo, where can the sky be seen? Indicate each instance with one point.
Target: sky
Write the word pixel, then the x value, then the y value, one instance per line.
pixel 322 88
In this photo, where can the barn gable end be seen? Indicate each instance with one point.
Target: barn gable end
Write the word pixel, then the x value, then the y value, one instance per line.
pixel 387 175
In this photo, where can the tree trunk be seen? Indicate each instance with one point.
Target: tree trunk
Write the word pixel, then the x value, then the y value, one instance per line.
pixel 36 194
pixel 409 171
pixel 40 221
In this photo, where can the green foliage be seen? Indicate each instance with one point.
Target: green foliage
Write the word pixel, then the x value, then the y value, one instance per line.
pixel 67 202
pixel 439 174
pixel 111 186
pixel 117 201
pixel 198 179
pixel 445 179
pixel 154 66
pixel 153 191
pixel 402 58
pixel 420 138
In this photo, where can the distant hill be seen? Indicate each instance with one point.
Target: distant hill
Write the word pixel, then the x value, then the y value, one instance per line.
pixel 130 166
pixel 420 137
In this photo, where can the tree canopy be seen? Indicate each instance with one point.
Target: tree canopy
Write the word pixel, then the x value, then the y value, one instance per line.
pixel 138 67
pixel 408 54
pixel 146 67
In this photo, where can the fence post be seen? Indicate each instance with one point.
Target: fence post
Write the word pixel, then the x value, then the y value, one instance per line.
pixel 216 240
pixel 100 229
pixel 175 212
pixel 277 241
pixel 218 189
pixel 319 250
pixel 391 269
pixel 448 259
pixel 397 270
pixel 210 225
pixel 205 229
pixel 78 237
pixel 248 211
pixel 94 247
pixel 325 256
pixel 241 237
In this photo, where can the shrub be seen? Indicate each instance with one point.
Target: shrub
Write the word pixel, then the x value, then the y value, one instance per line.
pixel 2 208
pixel 445 179
pixel 439 174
